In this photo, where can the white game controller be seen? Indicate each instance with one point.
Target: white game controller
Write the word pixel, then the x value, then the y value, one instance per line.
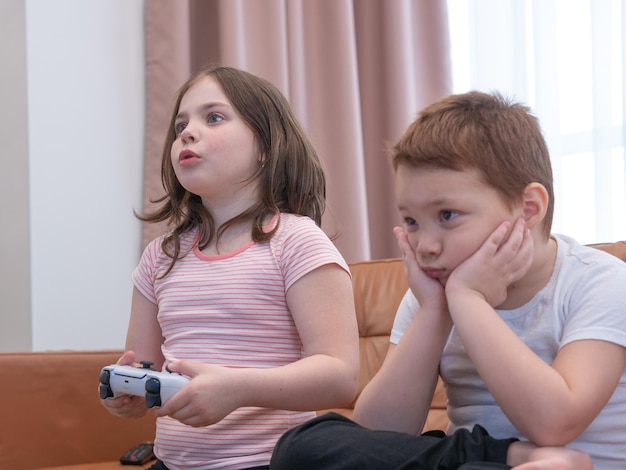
pixel 157 387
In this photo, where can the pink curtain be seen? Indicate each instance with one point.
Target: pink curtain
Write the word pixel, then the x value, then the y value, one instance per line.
pixel 355 72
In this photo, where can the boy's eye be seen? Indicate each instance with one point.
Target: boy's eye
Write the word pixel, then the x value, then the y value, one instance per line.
pixel 411 223
pixel 179 127
pixel 449 215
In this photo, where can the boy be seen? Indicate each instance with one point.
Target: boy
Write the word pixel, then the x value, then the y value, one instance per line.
pixel 527 329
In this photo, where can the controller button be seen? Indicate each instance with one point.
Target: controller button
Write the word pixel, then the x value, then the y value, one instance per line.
pixel 153 385
pixel 153 399
pixel 105 377
pixel 153 392
pixel 105 391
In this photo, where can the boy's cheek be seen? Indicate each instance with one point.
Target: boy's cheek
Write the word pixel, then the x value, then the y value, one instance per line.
pixel 468 249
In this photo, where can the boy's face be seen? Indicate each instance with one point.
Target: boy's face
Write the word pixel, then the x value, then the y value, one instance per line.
pixel 447 215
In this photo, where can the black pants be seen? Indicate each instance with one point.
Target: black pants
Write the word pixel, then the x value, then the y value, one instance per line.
pixel 333 442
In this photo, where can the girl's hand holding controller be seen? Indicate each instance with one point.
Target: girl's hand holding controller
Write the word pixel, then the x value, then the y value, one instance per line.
pixel 214 392
pixel 126 406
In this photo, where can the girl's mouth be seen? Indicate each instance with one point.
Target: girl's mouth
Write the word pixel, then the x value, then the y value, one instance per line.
pixel 187 157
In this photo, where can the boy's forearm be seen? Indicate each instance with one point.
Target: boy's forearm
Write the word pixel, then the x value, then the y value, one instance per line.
pixel 398 398
pixel 381 406
pixel 515 375
pixel 521 455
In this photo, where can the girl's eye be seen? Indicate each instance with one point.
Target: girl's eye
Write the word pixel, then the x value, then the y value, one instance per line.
pixel 213 118
pixel 449 215
pixel 179 127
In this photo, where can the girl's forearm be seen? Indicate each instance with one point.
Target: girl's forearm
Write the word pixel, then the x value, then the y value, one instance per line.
pixel 312 383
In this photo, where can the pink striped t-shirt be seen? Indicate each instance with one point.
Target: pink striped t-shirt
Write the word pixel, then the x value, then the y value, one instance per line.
pixel 231 310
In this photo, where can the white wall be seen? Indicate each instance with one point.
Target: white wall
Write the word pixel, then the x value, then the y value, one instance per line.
pixel 85 69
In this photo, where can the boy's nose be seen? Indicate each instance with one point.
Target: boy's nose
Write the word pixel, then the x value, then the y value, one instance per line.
pixel 428 246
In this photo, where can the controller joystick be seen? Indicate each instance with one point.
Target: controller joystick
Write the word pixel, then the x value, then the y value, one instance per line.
pixel 156 387
pixel 153 393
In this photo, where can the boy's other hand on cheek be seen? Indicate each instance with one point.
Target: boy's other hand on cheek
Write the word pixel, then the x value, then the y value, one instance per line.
pixel 499 262
pixel 427 291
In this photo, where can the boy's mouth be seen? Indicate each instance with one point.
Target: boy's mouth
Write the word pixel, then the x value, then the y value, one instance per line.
pixel 434 272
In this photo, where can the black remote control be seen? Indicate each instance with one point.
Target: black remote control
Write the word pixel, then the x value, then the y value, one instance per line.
pixel 138 455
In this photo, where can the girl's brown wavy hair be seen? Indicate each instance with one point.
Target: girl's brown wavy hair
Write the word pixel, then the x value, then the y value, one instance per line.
pixel 291 177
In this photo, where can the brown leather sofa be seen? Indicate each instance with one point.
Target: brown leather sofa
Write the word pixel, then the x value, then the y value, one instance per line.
pixel 52 417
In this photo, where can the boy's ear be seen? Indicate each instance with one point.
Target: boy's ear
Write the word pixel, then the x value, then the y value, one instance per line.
pixel 535 204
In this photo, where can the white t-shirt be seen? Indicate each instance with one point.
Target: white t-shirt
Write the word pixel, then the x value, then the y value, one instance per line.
pixel 232 310
pixel 584 299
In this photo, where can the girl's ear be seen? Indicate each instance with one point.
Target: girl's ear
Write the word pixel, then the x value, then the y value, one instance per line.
pixel 535 204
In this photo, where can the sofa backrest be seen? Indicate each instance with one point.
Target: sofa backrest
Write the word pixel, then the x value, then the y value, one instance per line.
pixel 616 249
pixel 51 412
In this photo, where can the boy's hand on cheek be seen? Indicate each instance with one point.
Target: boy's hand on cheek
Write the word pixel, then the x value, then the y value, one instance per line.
pixel 427 291
pixel 500 261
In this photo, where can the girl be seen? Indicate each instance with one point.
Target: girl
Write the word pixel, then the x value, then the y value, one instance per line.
pixel 245 295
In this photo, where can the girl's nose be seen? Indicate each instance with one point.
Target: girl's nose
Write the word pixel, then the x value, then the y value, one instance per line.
pixel 188 135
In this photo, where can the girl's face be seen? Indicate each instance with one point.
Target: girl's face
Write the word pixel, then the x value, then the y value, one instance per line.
pixel 448 215
pixel 215 152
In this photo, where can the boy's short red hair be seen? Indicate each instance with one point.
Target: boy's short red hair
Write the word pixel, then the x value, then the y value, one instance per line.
pixel 487 132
